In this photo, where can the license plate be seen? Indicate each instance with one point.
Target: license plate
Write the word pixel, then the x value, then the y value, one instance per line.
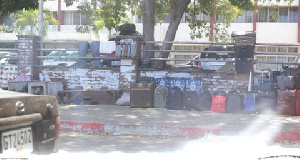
pixel 19 140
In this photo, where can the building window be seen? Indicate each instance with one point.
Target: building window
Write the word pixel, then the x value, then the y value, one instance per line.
pixel 263 15
pixel 249 16
pixel 286 15
pixel 240 19
pixel 293 15
pixel 179 47
pixel 293 49
pixel 261 49
pixel 283 15
pixel 74 18
pixel 282 49
pixel 271 49
pixel 7 20
pixel 246 17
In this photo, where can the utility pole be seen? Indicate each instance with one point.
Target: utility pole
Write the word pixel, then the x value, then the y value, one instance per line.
pixel 41 26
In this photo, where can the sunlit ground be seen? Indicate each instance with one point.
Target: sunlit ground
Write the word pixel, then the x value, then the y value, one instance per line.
pixel 208 147
pixel 254 143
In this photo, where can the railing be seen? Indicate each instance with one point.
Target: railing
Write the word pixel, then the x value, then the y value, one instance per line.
pixel 256 54
pixel 9 48
pixel 8 52
pixel 49 58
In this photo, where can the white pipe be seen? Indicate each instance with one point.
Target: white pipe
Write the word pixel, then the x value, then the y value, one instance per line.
pixel 41 25
pixel 250 82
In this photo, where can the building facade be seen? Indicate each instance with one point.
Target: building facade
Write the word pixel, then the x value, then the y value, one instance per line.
pixel 285 29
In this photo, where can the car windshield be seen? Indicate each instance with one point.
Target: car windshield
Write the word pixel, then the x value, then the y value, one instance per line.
pixel 61 58
pixel 218 54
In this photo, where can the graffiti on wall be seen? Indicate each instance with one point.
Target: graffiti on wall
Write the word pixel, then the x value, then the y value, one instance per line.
pixel 85 78
pixel 8 73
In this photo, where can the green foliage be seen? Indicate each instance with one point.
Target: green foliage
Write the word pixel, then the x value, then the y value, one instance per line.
pixel 26 21
pixel 90 23
pixel 109 14
pixel 226 11
pixel 162 9
pixel 6 29
pixel 10 6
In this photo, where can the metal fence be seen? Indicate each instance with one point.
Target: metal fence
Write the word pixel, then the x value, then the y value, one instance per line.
pixel 71 54
pixel 67 54
pixel 270 60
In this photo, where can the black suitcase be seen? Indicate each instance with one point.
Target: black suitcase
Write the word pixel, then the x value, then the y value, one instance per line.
pixel 127 29
pixel 190 100
pixel 244 52
pixel 265 85
pixel 175 99
pixel 266 102
pixel 160 96
pixel 297 81
pixel 242 66
pixel 234 103
pixel 82 50
pixel 265 81
pixel 204 101
pixel 95 52
pixel 141 95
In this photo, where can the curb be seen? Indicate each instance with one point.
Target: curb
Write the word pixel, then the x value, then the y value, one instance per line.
pixel 116 129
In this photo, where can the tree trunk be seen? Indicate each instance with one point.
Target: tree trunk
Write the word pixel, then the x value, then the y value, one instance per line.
pixel 175 18
pixel 95 5
pixel 148 8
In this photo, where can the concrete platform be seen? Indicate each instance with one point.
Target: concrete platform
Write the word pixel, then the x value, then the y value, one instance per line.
pixel 122 120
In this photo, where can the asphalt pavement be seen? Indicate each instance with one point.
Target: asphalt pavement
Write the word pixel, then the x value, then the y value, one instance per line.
pixel 123 120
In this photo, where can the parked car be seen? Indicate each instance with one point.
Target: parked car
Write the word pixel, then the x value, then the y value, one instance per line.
pixel 10 59
pixel 28 123
pixel 65 60
pixel 212 66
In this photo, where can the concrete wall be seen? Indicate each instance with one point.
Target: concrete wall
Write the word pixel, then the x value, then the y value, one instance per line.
pixel 80 77
pixel 213 81
pixel 121 79
pixel 116 78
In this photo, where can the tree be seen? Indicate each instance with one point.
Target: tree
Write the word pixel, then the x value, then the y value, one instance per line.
pixel 155 10
pixel 104 13
pixel 148 8
pixel 10 6
pixel 227 10
pixel 26 21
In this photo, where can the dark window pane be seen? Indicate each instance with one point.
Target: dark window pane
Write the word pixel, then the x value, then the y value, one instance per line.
pixel 249 16
pixel 263 15
pixel 83 17
pixel 293 16
pixel 68 18
pixel 283 14
pixel 241 18
pixel 206 18
pixel 76 18
pixel 7 21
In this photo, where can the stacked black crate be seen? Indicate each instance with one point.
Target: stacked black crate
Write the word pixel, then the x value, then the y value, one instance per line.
pixel 244 47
